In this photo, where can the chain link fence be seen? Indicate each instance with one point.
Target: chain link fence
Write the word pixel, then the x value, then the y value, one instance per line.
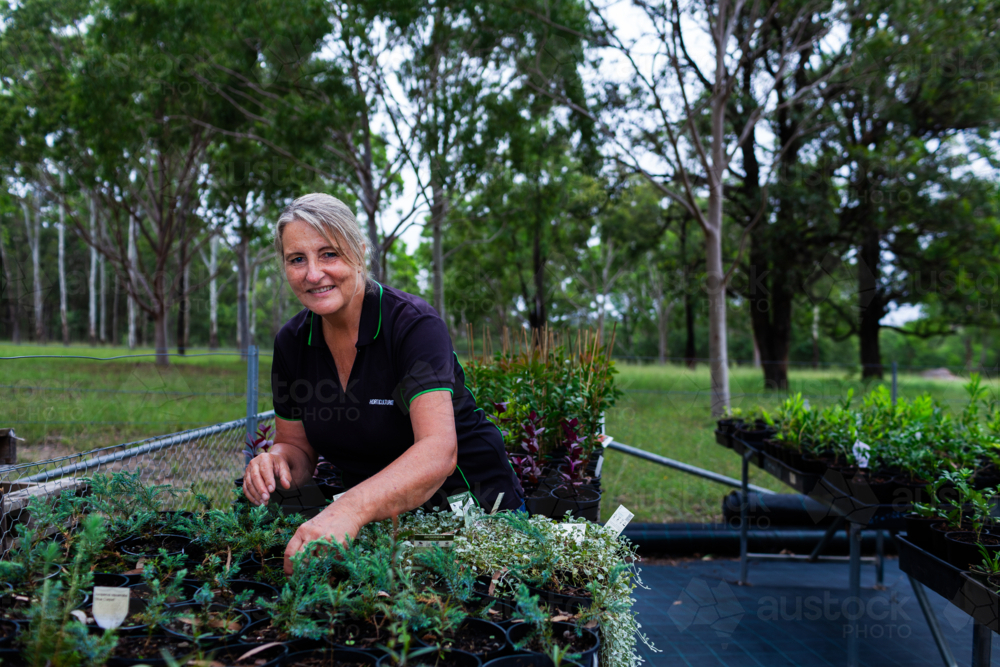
pixel 204 460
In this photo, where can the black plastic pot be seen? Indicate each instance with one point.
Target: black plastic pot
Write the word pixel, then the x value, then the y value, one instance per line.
pixel 963 554
pixel 482 626
pixel 500 612
pixel 542 503
pixel 153 660
pixel 527 660
pixel 230 653
pixel 9 630
pixel 187 592
pixel 918 530
pixel 568 603
pixel 11 657
pixel 111 580
pixel 332 655
pixel 134 546
pixel 583 502
pixel 452 658
pixel 243 619
pixel 519 631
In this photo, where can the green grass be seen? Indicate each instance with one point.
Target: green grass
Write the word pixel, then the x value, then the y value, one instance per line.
pixel 664 410
pixel 115 401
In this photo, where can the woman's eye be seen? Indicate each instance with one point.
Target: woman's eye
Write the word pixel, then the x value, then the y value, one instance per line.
pixel 295 260
pixel 330 254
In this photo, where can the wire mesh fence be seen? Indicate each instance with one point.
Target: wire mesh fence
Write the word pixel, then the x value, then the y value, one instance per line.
pixel 205 461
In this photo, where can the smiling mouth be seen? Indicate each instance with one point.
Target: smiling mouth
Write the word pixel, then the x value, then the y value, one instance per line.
pixel 321 290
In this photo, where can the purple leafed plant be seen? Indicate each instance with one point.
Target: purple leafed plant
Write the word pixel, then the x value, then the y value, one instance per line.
pixel 574 463
pixel 526 465
pixel 260 444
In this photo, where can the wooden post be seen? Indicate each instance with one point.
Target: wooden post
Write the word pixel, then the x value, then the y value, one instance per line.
pixel 8 447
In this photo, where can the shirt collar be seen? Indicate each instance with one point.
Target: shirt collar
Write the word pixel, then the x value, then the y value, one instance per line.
pixel 371 320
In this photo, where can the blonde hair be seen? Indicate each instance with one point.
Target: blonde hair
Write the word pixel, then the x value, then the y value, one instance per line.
pixel 334 220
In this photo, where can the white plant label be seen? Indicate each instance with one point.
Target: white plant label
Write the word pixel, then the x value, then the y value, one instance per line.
pixel 460 502
pixel 110 606
pixel 496 505
pixel 575 530
pixel 606 440
pixel 337 496
pixel 619 520
pixel 600 464
pixel 429 541
pixel 861 453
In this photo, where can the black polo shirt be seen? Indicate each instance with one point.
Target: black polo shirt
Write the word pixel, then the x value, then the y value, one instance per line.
pixel 404 350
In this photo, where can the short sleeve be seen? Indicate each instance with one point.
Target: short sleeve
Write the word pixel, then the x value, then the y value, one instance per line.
pixel 424 360
pixel 284 405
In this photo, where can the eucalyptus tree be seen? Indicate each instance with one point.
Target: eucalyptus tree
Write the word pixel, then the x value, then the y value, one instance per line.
pixel 668 117
pixel 911 148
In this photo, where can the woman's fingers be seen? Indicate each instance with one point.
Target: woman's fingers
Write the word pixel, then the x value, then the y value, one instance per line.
pixel 284 473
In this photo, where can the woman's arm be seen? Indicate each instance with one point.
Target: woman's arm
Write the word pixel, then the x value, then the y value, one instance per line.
pixel 291 461
pixel 406 483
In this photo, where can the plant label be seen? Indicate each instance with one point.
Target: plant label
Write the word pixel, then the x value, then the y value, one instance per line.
pixel 337 497
pixel 619 520
pixel 575 530
pixel 110 606
pixel 605 440
pixel 600 464
pixel 421 542
pixel 460 502
pixel 496 505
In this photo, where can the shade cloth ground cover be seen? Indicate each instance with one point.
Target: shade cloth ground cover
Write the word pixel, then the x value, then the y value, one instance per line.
pixel 757 632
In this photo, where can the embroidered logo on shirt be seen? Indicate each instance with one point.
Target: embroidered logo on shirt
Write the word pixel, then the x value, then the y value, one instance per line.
pixel 381 401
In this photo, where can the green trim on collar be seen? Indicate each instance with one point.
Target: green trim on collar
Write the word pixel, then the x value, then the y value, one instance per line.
pixel 310 341
pixel 426 391
pixel 379 311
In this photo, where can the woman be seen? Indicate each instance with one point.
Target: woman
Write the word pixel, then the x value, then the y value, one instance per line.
pixel 366 376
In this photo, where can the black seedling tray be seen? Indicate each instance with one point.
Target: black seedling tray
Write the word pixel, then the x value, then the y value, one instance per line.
pixel 830 489
pixel 965 590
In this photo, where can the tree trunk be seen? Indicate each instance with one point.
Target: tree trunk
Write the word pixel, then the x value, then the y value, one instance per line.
pixel 815 336
pixel 114 310
pixel 213 295
pixel 756 348
pixel 717 341
pixel 438 211
pixel 160 323
pixel 104 285
pixel 183 300
pixel 690 351
pixel 133 255
pixel 718 351
pixel 242 287
pixel 872 304
pixel 63 314
pixel 33 227
pixel 92 278
pixel 12 293
pixel 252 304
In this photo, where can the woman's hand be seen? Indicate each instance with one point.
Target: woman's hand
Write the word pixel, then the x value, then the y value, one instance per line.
pixel 265 470
pixel 330 524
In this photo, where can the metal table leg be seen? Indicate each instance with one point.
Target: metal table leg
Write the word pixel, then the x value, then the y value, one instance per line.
pixel 982 644
pixel 879 558
pixel 743 518
pixel 854 535
pixel 827 536
pixel 932 623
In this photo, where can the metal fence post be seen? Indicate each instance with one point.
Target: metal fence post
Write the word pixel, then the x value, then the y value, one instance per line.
pixel 895 385
pixel 252 376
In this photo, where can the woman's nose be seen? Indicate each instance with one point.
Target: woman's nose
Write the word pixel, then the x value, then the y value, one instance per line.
pixel 313 272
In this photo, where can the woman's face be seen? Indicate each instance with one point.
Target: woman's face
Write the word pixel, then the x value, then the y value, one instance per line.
pixel 322 280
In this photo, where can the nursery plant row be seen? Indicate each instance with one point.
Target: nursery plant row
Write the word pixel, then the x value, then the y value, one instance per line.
pixel 912 460
pixel 430 588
